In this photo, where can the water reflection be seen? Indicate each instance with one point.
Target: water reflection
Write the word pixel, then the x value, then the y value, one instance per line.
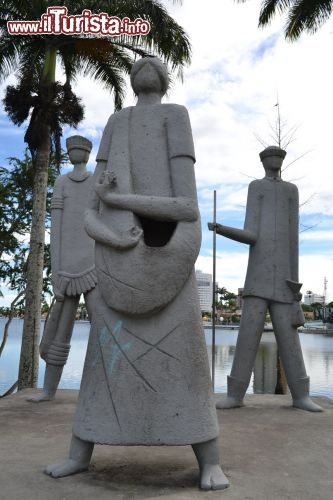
pixel 264 376
pixel 265 369
pixel 9 361
pixel 317 352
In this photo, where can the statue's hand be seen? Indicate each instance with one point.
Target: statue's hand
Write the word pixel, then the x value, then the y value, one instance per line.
pixel 212 226
pixel 106 182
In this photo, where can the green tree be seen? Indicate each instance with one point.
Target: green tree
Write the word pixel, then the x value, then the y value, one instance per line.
pixel 227 303
pixel 302 15
pixel 227 299
pixel 48 104
pixel 318 310
pixel 307 307
pixel 16 186
pixel 230 301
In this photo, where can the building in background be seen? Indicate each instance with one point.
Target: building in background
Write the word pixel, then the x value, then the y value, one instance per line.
pixel 205 289
pixel 313 298
pixel 240 298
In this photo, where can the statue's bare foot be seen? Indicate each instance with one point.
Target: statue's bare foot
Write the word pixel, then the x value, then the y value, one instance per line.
pixel 66 468
pixel 306 404
pixel 229 402
pixel 213 478
pixel 44 396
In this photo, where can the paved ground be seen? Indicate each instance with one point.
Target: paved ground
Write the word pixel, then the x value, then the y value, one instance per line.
pixel 269 450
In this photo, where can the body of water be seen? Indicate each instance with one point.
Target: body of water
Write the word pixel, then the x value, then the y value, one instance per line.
pixel 317 352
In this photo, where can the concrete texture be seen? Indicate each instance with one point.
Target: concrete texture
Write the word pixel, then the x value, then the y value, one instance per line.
pixel 269 451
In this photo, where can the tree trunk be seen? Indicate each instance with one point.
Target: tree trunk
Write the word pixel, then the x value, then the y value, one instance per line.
pixel 8 322
pixel 29 359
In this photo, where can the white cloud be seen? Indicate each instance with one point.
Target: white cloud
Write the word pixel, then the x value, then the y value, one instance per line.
pixel 230 268
pixel 312 271
pixel 316 235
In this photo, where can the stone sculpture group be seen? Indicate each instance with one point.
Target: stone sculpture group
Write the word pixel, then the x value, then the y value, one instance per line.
pixel 146 377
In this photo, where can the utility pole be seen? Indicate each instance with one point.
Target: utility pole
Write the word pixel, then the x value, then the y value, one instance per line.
pixel 325 289
pixel 214 295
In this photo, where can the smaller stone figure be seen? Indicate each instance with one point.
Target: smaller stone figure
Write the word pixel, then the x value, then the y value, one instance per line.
pixel 271 230
pixel 72 262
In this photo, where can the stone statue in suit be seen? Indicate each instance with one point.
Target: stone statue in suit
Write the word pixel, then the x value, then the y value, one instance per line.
pixel 271 284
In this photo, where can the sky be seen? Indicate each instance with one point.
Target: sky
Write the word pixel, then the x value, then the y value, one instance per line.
pixel 237 76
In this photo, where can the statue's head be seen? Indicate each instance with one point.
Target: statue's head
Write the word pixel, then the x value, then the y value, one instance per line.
pixel 78 149
pixel 272 158
pixel 149 74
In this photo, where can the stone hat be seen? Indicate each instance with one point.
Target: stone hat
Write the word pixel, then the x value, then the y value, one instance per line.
pixel 272 151
pixel 78 142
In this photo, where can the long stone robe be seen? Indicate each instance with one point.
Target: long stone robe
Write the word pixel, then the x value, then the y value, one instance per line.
pixel 146 378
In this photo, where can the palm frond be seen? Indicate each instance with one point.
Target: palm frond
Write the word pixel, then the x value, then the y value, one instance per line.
pixel 105 59
pixel 106 73
pixel 302 15
pixel 17 102
pixel 9 58
pixel 166 38
pixel 307 15
pixel 270 7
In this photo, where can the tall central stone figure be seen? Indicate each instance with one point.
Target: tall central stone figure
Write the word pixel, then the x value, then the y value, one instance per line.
pixel 146 377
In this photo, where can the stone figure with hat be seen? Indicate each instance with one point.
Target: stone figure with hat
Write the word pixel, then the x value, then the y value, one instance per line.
pixel 271 284
pixel 72 263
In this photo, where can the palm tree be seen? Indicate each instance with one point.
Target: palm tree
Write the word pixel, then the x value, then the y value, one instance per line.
pixel 302 15
pixel 48 105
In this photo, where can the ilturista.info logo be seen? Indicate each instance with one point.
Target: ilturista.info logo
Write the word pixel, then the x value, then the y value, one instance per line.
pixel 56 21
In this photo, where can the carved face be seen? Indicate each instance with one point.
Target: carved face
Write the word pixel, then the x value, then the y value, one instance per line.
pixel 146 80
pixel 149 75
pixel 272 163
pixel 78 155
pixel 272 158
